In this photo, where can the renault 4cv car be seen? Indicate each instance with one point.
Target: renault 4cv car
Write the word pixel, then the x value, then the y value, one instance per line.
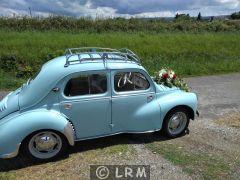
pixel 89 93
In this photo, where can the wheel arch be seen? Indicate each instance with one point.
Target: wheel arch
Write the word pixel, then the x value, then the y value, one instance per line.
pixel 16 129
pixel 189 110
pixel 66 128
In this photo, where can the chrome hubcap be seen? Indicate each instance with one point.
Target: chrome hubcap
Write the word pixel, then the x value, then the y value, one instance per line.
pixel 177 123
pixel 45 142
pixel 45 145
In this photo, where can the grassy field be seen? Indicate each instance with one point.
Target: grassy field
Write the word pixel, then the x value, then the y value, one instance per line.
pixel 189 54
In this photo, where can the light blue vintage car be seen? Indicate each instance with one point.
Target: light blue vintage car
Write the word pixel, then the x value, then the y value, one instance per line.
pixel 89 93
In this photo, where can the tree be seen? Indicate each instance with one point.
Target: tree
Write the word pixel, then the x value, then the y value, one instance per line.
pixel 199 17
pixel 235 15
pixel 177 15
pixel 182 17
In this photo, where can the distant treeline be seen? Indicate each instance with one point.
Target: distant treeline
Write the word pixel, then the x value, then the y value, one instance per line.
pixel 70 24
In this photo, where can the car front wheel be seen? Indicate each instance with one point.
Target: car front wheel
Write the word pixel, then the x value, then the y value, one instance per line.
pixel 45 145
pixel 176 123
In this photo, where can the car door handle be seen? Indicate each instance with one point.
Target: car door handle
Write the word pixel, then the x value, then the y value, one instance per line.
pixel 67 106
pixel 150 98
pixel 56 89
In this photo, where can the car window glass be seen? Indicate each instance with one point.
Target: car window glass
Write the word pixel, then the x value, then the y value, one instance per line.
pixel 130 81
pixel 86 84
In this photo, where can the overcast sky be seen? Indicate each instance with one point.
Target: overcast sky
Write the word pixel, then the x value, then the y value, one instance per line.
pixel 126 8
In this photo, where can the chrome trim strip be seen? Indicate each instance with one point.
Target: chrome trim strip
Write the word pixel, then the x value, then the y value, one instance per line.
pixel 3 102
pixel 108 98
pixel 83 100
pixel 135 94
pixel 69 133
pixel 122 132
pixel 13 154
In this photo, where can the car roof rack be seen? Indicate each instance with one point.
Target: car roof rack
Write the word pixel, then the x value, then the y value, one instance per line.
pixel 97 53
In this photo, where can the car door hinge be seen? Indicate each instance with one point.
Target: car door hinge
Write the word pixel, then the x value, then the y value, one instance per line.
pixel 150 98
pixel 111 125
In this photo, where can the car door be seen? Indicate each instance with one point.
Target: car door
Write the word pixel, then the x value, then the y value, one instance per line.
pixel 134 104
pixel 85 100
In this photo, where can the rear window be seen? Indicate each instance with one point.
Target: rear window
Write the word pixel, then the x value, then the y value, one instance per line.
pixel 86 84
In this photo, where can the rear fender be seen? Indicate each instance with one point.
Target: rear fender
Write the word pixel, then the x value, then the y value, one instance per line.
pixel 16 129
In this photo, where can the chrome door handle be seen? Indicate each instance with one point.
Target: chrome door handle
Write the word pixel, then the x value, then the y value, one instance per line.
pixel 67 106
pixel 150 98
pixel 56 89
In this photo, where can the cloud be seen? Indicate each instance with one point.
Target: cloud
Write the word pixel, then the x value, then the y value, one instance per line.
pixel 112 8
pixel 133 7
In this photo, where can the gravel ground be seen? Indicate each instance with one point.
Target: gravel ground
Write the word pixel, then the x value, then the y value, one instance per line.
pixel 218 96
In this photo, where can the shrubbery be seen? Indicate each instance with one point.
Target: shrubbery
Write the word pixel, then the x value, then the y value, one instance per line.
pixel 61 23
pixel 236 15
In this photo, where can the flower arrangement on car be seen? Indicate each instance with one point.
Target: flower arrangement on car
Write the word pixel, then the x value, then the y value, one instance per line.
pixel 168 77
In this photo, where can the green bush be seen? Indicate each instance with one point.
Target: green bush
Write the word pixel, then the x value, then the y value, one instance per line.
pixel 8 63
pixel 236 15
pixel 9 82
pixel 69 24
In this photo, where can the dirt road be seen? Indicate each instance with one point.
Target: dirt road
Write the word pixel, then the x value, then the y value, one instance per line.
pixel 217 94
pixel 211 150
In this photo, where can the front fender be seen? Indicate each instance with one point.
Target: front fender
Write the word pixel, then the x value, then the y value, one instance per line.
pixel 16 129
pixel 170 100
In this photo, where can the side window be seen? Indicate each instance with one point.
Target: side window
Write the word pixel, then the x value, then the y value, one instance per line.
pixel 86 84
pixel 130 81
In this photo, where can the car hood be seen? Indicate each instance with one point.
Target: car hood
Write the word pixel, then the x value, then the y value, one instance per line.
pixel 9 104
pixel 162 88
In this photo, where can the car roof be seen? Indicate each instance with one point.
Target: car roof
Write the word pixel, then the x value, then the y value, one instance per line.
pixel 55 70
pixel 88 65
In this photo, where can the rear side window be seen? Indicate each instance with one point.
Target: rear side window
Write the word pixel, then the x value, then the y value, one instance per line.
pixel 130 81
pixel 86 84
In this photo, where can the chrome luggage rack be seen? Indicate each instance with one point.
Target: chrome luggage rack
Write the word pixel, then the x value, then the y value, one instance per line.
pixel 102 53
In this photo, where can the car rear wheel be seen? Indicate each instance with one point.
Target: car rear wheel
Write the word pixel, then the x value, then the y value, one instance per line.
pixel 176 123
pixel 45 145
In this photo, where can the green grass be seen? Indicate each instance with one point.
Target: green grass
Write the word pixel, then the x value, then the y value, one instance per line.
pixel 7 176
pixel 188 54
pixel 205 165
pixel 9 82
